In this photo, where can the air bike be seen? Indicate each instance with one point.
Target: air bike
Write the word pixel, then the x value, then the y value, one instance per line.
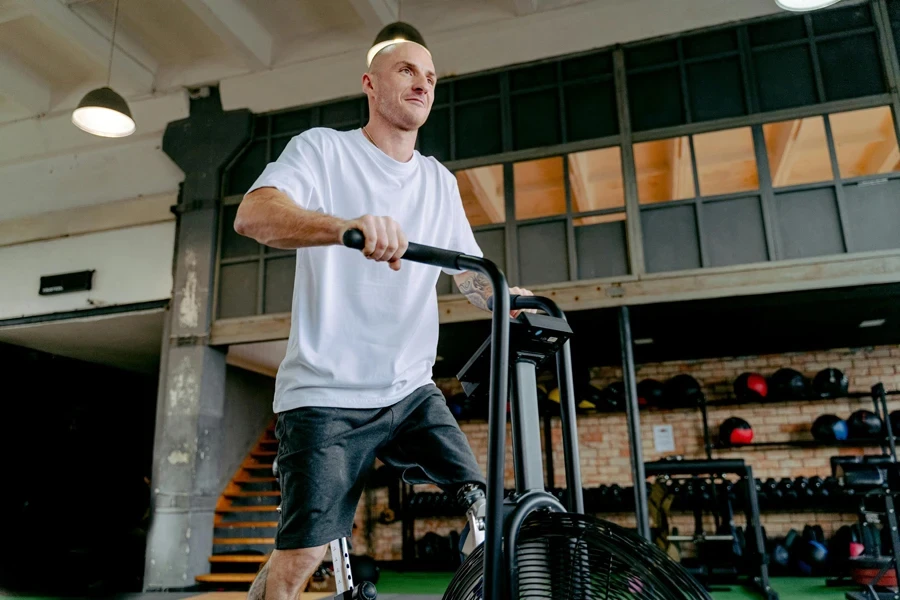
pixel 533 546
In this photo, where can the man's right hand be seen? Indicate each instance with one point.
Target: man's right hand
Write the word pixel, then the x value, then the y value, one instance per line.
pixel 385 240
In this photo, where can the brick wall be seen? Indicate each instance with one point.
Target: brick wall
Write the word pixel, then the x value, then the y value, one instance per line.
pixel 603 439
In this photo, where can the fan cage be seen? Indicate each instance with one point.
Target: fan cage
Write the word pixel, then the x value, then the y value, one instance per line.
pixel 566 556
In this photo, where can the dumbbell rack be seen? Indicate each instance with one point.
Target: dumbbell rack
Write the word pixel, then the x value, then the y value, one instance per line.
pixel 717 468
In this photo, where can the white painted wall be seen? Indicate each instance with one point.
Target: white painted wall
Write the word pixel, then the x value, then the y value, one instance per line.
pixel 132 265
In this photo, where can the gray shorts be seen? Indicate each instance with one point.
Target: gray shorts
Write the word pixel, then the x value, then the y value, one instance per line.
pixel 325 456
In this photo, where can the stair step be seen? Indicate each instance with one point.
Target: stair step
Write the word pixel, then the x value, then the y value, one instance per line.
pixel 245 501
pixel 257 466
pixel 266 486
pixel 245 532
pixel 255 480
pixel 252 494
pixel 234 509
pixel 226 578
pixel 264 453
pixel 239 558
pixel 246 524
pixel 237 541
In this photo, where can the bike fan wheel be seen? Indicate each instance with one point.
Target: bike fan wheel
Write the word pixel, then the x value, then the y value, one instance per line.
pixel 567 556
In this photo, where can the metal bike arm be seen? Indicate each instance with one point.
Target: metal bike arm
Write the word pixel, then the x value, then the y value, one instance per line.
pixel 498 393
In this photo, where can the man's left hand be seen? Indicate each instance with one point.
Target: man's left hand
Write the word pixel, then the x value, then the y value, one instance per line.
pixel 517 291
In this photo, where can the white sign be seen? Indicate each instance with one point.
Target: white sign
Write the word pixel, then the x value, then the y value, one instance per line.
pixel 663 438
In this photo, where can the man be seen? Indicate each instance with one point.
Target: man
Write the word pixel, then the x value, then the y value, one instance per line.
pixel 356 382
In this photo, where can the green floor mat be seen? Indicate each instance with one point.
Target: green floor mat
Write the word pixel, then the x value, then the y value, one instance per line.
pixel 390 582
pixel 788 588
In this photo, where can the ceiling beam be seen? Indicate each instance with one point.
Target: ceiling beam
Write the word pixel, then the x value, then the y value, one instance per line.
pixel 584 196
pixel 681 173
pixel 237 26
pixel 56 15
pixel 785 137
pixel 376 13
pixel 488 190
pixel 10 10
pixel 23 86
pixel 884 154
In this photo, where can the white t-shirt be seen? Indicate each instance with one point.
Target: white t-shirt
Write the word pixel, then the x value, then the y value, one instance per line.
pixel 363 335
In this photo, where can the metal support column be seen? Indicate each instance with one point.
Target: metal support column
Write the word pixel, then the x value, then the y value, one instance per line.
pixel 189 437
pixel 634 425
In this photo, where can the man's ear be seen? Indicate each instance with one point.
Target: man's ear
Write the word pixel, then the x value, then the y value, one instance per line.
pixel 367 83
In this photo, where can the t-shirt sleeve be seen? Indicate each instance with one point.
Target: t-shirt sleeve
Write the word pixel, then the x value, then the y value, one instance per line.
pixel 461 239
pixel 294 173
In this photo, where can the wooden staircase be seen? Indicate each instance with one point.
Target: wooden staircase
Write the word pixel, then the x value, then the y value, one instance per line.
pixel 246 518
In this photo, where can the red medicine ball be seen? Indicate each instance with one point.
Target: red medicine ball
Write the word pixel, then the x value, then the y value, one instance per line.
pixel 735 432
pixel 751 387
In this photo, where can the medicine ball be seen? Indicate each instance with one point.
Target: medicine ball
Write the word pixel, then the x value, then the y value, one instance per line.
pixel 457 404
pixel 650 392
pixel 751 387
pixel 682 391
pixel 364 568
pixel 830 383
pixel 829 428
pixel 895 422
pixel 864 424
pixel 788 384
pixel 735 432
pixel 613 396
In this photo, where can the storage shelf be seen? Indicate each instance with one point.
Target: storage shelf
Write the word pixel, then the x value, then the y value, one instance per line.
pixel 855 443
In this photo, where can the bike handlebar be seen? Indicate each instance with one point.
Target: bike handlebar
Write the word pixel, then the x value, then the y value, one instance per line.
pixel 429 255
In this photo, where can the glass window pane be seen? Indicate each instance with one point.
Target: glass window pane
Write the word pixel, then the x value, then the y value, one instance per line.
pixel 595 179
pixel 279 291
pixel 865 142
pixel 798 151
pixel 726 162
pixel 664 170
pixel 238 285
pixel 851 67
pixel 478 130
pixel 481 190
pixel 601 246
pixel 540 188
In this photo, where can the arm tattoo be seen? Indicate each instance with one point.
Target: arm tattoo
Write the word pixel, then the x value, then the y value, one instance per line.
pixel 477 288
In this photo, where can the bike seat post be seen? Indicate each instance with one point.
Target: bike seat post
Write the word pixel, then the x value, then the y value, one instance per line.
pixel 526 430
pixel 340 558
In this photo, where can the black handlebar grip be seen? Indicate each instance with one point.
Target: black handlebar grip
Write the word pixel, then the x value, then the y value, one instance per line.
pixel 354 238
pixel 513 298
pixel 429 255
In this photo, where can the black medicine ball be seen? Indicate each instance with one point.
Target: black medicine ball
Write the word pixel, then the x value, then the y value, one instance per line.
pixel 735 432
pixel 829 428
pixel 683 390
pixel 830 383
pixel 788 384
pixel 864 424
pixel 650 392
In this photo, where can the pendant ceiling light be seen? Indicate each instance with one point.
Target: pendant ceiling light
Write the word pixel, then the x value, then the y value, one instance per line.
pixel 804 5
pixel 104 112
pixel 397 32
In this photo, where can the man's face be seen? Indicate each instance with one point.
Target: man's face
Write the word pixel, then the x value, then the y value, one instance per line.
pixel 401 85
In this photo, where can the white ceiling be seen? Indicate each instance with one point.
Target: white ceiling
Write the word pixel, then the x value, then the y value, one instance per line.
pixel 131 341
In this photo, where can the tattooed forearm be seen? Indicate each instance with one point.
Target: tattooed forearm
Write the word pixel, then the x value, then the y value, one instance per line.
pixel 476 287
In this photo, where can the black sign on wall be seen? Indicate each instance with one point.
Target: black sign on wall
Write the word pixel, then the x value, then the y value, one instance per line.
pixel 66 283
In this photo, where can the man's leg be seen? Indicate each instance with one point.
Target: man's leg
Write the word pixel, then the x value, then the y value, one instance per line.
pixel 323 457
pixel 429 447
pixel 290 570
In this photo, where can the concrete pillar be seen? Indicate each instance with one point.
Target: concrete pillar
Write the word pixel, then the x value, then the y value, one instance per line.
pixel 189 420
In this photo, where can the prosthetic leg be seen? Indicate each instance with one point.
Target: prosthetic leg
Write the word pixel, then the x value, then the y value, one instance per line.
pixel 471 498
